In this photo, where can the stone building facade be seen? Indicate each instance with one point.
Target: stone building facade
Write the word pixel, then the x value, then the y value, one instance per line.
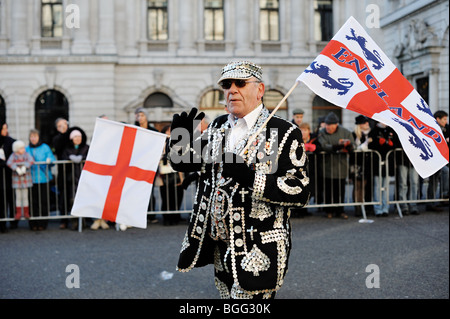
pixel 84 58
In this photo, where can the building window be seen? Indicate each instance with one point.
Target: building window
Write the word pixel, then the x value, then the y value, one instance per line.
pixel 213 99
pixel 52 18
pixel 269 20
pixel 158 100
pixel 214 20
pixel 271 100
pixel 422 85
pixel 158 26
pixel 323 20
pixel 49 106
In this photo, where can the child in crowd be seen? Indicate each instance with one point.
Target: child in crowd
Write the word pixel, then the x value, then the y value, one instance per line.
pixel 20 162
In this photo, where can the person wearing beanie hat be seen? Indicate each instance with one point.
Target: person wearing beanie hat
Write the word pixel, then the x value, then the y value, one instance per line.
pixel 331 118
pixel 337 142
pixel 241 212
pixel 75 152
pixel 142 119
pixel 74 133
pixel 20 163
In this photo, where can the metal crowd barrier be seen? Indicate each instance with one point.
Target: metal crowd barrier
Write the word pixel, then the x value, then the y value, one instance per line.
pixel 357 173
pixel 410 189
pixel 53 200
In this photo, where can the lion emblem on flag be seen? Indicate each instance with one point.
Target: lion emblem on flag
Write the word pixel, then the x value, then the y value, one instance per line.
pixel 372 56
pixel 421 144
pixel 343 85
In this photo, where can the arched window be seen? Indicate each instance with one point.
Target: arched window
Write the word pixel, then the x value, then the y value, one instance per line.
pixel 158 100
pixel 213 99
pixel 2 110
pixel 271 100
pixel 49 106
pixel 213 104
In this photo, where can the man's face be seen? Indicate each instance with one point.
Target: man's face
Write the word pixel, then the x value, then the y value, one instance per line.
pixel 241 101
pixel 141 118
pixel 298 118
pixel 442 121
pixel 331 128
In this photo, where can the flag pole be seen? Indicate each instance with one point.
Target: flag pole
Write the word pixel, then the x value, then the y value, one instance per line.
pixel 253 137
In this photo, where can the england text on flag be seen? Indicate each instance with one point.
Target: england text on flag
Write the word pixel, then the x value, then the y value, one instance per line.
pixel 354 73
pixel 117 178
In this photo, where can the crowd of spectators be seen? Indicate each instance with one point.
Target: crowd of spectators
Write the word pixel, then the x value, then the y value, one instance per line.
pixel 336 155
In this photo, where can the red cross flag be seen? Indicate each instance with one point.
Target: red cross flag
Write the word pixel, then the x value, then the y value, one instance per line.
pixel 117 178
pixel 353 72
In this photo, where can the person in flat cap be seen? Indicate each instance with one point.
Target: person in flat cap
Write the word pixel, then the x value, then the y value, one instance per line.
pixel 337 142
pixel 297 116
pixel 240 220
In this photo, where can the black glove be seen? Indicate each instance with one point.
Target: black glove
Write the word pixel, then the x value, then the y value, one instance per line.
pixel 186 122
pixel 189 179
pixel 234 167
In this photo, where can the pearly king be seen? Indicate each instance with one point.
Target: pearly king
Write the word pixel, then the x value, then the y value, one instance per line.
pixel 243 227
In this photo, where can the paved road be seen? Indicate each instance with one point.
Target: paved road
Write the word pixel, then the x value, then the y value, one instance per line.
pixel 328 261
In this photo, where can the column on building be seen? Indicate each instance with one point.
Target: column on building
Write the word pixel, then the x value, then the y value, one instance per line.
pixel 143 38
pixel 19 25
pixel 106 42
pixel 81 39
pixel 36 37
pixel 130 41
pixel 299 23
pixel 433 98
pixel 3 34
pixel 186 28
pixel 243 27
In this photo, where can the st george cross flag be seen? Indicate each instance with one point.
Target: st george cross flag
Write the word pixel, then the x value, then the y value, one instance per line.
pixel 117 178
pixel 353 72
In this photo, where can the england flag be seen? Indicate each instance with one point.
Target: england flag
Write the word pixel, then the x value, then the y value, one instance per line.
pixel 117 178
pixel 354 73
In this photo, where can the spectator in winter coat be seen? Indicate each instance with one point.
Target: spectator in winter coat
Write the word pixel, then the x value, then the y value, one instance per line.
pixel 337 142
pixel 6 190
pixel 20 163
pixel 383 140
pixel 76 152
pixel 41 175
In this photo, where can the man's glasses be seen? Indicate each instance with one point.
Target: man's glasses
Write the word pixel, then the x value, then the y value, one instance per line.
pixel 226 84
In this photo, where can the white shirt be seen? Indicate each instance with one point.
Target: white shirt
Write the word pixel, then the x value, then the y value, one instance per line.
pixel 240 128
